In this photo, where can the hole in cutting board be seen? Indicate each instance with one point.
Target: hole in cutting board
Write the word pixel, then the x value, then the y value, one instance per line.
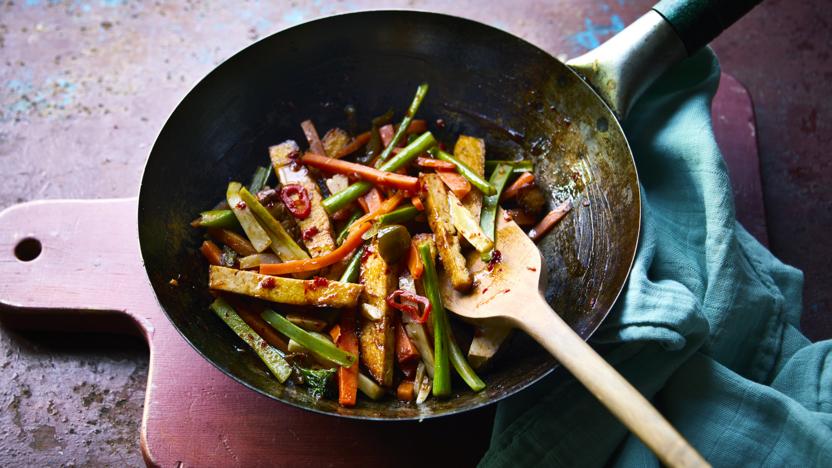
pixel 28 249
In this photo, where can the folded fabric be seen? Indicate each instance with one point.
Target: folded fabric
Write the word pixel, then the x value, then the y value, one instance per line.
pixel 706 327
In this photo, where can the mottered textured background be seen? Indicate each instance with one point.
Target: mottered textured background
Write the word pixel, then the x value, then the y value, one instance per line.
pixel 85 87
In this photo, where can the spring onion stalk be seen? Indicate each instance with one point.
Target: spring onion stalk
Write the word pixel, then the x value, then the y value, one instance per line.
pixel 217 219
pixel 460 363
pixel 484 186
pixel 369 388
pixel 350 274
pixel 345 232
pixel 271 356
pixel 421 91
pixel 316 345
pixel 441 370
pixel 517 167
pixel 398 216
pixel 488 215
pixel 259 179
pixel 343 198
pixel 256 234
pixel 281 242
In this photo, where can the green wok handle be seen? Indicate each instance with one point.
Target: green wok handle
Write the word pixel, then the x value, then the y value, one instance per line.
pixel 698 22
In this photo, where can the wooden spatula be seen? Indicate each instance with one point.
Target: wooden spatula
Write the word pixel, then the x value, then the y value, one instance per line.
pixel 510 294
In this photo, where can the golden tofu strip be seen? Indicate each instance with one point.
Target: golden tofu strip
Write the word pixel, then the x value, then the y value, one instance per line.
pixel 444 232
pixel 316 230
pixel 471 152
pixel 315 292
pixel 377 343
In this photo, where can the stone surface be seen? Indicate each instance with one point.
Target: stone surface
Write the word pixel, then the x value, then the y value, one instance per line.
pixel 86 85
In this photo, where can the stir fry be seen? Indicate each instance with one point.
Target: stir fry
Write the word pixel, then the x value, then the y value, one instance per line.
pixel 331 273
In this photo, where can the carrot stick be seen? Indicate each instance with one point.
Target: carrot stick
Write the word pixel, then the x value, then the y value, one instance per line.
pixel 525 179
pixel 386 206
pixel 417 126
pixel 352 242
pixel 238 243
pixel 521 217
pixel 458 184
pixel 347 340
pixel 371 174
pixel 312 137
pixel 405 391
pixel 549 221
pixel 417 202
pixel 362 202
pixel 438 164
pixel 373 199
pixel 211 252
pixel 251 316
pixel 414 263
pixel 353 146
pixel 406 353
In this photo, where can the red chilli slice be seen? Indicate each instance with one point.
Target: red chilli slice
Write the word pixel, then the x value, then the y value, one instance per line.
pixel 301 206
pixel 393 300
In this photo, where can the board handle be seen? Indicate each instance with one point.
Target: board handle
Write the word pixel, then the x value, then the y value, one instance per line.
pixel 72 264
pixel 698 22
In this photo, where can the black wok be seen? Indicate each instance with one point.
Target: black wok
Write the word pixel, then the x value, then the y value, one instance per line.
pixel 484 82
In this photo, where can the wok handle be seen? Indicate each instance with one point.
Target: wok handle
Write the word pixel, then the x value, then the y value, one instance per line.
pixel 74 265
pixel 698 22
pixel 611 389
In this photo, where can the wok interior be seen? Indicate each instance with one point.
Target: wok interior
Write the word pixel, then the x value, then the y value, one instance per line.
pixel 484 82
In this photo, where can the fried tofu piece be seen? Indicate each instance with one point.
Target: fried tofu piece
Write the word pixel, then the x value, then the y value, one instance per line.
pixel 377 342
pixel 445 235
pixel 284 290
pixel 471 152
pixel 316 230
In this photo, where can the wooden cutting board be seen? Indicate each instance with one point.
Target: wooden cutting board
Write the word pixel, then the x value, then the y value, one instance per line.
pixel 88 275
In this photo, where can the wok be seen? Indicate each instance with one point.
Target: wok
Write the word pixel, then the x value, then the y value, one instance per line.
pixel 484 82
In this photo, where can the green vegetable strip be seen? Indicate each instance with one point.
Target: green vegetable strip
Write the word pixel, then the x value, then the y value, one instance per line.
pixel 408 117
pixel 217 219
pixel 477 181
pixel 488 215
pixel 350 274
pixel 398 216
pixel 518 167
pixel 318 346
pixel 270 355
pixel 369 388
pixel 463 368
pixel 259 179
pixel 345 232
pixel 441 369
pixel 256 234
pixel 343 198
pixel 281 242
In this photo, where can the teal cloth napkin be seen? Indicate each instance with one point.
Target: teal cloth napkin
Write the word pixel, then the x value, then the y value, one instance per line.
pixel 706 327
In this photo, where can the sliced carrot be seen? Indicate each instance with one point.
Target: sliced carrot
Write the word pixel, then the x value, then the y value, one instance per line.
pixel 335 332
pixel 211 252
pixel 406 391
pixel 362 202
pixel 525 179
pixel 353 146
pixel 417 202
pixel 312 137
pixel 347 340
pixel 373 199
pixel 386 133
pixel 386 206
pixel 406 352
pixel 438 164
pixel 352 242
pixel 548 222
pixel 371 174
pixel 238 243
pixel 458 184
pixel 414 263
pixel 417 126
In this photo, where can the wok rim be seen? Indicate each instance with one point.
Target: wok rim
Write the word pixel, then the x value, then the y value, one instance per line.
pixel 615 125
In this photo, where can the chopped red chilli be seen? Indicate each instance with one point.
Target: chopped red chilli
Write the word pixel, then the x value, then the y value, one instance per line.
pixel 296 199
pixel 309 233
pixel 268 283
pixel 241 205
pixel 393 300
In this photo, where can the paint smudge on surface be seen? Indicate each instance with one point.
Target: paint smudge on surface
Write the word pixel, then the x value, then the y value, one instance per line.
pixel 593 34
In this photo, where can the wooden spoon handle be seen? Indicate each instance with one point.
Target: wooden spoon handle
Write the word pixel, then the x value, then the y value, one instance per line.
pixel 611 389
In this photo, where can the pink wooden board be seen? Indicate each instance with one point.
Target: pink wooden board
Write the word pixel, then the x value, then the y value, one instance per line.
pixel 89 276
